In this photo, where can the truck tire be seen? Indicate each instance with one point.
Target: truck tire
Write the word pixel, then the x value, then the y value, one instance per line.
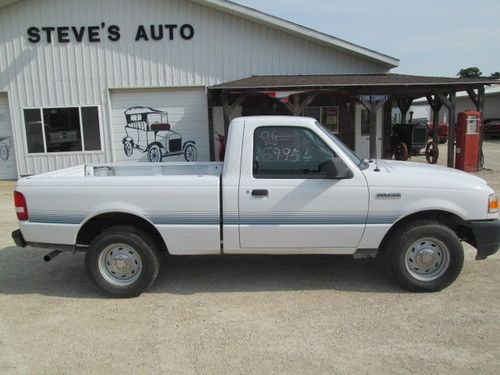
pixel 123 261
pixel 423 256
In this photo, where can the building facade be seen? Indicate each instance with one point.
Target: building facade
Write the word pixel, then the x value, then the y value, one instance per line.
pixel 82 81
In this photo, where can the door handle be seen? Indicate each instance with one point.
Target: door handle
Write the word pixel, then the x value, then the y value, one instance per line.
pixel 260 193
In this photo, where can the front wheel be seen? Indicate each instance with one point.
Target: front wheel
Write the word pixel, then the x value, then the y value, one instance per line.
pixel 154 153
pixel 123 261
pixel 423 256
pixel 190 153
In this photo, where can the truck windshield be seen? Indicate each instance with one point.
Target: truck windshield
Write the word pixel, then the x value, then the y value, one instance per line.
pixel 355 159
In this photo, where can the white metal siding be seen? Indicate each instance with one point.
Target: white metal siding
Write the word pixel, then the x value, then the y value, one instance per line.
pixel 7 156
pixel 187 115
pixel 224 48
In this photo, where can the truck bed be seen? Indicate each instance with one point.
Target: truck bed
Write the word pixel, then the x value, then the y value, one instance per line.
pixel 179 199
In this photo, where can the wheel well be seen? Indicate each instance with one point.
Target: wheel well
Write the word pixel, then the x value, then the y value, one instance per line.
pixel 101 222
pixel 454 222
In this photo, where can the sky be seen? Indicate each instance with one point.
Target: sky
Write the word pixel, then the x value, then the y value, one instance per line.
pixel 430 37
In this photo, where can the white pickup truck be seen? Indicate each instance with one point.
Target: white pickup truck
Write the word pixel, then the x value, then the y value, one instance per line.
pixel 288 186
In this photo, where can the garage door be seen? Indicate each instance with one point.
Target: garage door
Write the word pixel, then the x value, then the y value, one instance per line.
pixel 160 125
pixel 7 158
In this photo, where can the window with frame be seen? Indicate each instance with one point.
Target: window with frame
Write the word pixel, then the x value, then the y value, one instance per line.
pixel 328 116
pixel 62 129
pixel 289 152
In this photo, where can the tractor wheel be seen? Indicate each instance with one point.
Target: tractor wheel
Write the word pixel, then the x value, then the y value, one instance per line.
pixel 401 151
pixel 432 152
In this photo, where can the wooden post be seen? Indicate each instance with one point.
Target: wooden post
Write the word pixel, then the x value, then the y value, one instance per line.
pixel 210 102
pixel 480 108
pixel 404 105
pixel 228 109
pixel 436 104
pixel 435 125
pixel 387 131
pixel 451 130
pixel 373 130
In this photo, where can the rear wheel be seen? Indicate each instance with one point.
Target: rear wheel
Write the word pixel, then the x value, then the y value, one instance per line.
pixel 4 152
pixel 401 151
pixel 128 148
pixel 123 261
pixel 423 256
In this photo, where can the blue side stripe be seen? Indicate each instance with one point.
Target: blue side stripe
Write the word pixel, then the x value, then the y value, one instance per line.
pixel 273 218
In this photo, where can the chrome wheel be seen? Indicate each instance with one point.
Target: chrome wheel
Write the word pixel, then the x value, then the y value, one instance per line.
pixel 120 264
pixel 427 259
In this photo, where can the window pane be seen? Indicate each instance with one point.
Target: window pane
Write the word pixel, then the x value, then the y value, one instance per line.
pixel 331 118
pixel 312 112
pixel 62 129
pixel 289 152
pixel 90 124
pixel 34 135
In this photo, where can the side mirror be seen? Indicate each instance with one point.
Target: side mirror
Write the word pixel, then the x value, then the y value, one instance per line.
pixel 335 170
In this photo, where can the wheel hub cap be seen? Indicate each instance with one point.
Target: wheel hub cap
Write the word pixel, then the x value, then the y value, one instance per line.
pixel 120 264
pixel 427 259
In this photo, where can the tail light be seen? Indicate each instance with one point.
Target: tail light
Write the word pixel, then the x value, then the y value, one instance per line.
pixel 21 207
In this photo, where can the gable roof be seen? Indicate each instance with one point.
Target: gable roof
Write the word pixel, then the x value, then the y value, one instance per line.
pixel 288 27
pixel 300 31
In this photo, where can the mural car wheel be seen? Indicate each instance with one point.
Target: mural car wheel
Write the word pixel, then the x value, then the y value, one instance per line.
pixel 154 154
pixel 190 153
pixel 401 151
pixel 128 148
pixel 4 152
pixel 432 153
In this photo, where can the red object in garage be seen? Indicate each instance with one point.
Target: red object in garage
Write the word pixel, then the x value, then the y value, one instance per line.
pixel 468 128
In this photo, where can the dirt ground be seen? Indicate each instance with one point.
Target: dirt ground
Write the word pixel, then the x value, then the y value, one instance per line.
pixel 246 314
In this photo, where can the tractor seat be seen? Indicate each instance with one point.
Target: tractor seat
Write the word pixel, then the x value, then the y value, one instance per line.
pixel 159 127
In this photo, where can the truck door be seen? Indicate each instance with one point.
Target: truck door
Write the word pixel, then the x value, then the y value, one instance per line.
pixel 285 202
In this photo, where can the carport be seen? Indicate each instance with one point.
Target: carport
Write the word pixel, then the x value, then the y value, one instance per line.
pixel 285 95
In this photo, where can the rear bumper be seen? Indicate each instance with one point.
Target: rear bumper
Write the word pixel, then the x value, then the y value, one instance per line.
pixel 487 237
pixel 18 238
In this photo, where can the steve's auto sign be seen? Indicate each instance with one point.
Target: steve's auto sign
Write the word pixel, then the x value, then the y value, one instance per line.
pixel 98 33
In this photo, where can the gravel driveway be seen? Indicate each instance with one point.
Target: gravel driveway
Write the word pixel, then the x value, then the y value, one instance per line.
pixel 246 314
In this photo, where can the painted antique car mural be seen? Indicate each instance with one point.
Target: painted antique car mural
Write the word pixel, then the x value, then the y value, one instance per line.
pixel 5 146
pixel 148 130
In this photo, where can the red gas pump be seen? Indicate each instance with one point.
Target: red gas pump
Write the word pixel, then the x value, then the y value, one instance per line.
pixel 468 128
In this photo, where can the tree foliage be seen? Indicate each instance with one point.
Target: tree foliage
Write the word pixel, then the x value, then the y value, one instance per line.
pixel 471 72
pixel 474 72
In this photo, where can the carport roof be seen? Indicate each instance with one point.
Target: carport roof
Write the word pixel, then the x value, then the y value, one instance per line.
pixel 349 80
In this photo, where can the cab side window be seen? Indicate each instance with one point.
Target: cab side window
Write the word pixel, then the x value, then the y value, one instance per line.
pixel 289 152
